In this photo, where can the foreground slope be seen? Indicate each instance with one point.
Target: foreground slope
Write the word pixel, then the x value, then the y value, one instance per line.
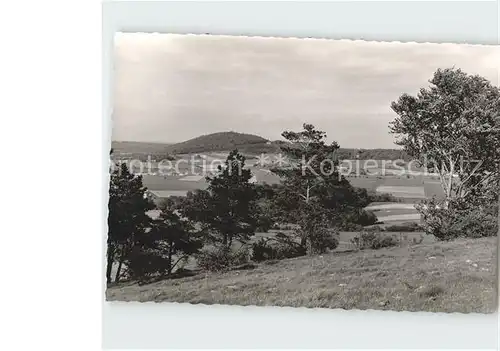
pixel 458 276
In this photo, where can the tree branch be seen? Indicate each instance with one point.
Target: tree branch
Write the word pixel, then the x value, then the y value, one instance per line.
pixel 176 262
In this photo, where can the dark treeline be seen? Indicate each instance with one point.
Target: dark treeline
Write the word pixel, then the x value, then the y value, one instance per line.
pixel 144 157
pixel 245 143
pixel 373 154
pixel 263 148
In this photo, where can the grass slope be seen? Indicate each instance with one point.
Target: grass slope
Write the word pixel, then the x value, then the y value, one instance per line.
pixel 458 276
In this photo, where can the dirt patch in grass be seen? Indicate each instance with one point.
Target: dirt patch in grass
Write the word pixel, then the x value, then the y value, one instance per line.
pixel 458 276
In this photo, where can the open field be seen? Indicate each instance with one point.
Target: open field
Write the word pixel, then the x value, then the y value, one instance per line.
pixel 407 190
pixel 413 188
pixel 458 276
pixel 405 217
pixel 389 212
pixel 155 182
pixel 388 206
pixel 376 165
pixel 400 186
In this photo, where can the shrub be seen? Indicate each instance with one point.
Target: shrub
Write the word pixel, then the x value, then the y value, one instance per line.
pixel 289 245
pixel 404 227
pixel 277 248
pixel 385 241
pixel 349 227
pixel 476 223
pixel 356 220
pixel 221 258
pixel 364 217
pixel 381 197
pixel 263 251
pixel 416 241
pixel 144 265
pixel 322 240
pixel 437 221
pixel 372 240
pixel 457 220
pixel 240 257
pixel 373 228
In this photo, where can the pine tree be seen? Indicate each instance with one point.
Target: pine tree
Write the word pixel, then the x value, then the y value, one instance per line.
pixel 314 195
pixel 127 218
pixel 227 210
pixel 170 240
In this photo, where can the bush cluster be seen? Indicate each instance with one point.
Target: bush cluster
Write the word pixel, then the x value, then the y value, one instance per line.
pixel 374 241
pixel 265 250
pixel 322 240
pixel 458 220
pixel 356 220
pixel 403 227
pixel 218 259
pixel 382 197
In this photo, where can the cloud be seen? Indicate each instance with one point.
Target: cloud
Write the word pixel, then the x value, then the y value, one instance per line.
pixel 170 88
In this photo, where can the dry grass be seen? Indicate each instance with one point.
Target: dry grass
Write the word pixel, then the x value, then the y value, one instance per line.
pixel 458 276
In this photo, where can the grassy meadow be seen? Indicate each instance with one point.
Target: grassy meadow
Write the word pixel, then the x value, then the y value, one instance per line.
pixel 457 276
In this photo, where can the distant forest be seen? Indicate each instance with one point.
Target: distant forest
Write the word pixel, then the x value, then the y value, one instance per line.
pixel 373 154
pixel 245 143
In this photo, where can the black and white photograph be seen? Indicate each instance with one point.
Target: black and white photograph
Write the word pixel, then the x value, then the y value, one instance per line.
pixel 317 173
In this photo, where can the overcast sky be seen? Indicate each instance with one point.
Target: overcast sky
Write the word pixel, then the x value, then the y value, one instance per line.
pixel 170 88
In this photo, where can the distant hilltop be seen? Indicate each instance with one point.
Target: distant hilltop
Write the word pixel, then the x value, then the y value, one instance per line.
pixel 223 141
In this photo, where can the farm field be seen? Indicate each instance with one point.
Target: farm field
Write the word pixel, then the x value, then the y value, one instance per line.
pixel 388 206
pixel 415 187
pixel 400 217
pixel 456 276
pixel 187 180
pixel 390 212
pixel 155 182
pixel 407 190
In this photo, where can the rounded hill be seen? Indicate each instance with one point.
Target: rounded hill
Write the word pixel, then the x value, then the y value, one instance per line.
pixel 221 141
